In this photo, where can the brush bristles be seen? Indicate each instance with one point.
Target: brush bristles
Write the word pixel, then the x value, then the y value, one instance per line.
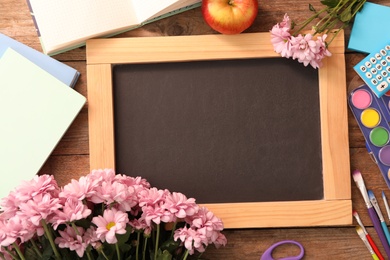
pixel 357 176
pixel 371 195
pixel 360 232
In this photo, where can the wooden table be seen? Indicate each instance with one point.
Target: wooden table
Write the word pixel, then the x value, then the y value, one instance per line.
pixel 70 159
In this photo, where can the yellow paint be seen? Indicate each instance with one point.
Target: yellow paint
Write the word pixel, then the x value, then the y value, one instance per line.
pixel 370 118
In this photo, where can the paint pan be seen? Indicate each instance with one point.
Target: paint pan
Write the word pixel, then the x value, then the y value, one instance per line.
pixel 373 116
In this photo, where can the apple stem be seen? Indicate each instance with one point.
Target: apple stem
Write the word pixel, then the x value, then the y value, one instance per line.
pixel 231 2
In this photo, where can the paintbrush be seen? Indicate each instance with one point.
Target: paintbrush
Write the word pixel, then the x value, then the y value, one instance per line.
pixel 375 204
pixel 369 238
pixel 358 178
pixel 361 234
pixel 386 204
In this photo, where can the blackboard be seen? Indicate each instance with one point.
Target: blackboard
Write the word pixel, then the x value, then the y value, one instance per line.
pixel 205 128
pixel 260 140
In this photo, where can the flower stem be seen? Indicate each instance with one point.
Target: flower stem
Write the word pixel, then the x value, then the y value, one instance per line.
pixel 186 255
pixel 17 248
pixel 173 229
pixel 118 252
pixel 157 240
pixel 137 249
pixel 144 250
pixel 50 238
pixel 309 20
pixel 36 249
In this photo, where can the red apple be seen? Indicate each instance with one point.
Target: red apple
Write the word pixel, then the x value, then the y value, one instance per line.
pixel 229 16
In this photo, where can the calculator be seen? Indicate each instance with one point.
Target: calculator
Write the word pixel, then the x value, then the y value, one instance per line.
pixel 375 70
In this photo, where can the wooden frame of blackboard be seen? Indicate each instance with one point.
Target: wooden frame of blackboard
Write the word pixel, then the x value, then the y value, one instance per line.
pixel 336 206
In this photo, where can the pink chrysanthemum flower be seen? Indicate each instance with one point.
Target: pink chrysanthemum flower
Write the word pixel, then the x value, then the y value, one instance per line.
pixel 72 240
pixel 156 214
pixel 280 37
pixel 322 52
pixel 304 48
pixel 178 204
pixel 27 190
pixel 42 206
pixel 111 223
pixel 152 196
pixel 91 238
pixel 72 210
pixel 38 185
pixel 192 239
pixel 102 175
pixel 15 228
pixel 141 225
pixel 80 189
pixel 212 225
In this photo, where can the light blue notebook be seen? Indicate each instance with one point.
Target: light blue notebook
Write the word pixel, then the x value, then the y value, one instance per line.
pixel 61 71
pixel 370 29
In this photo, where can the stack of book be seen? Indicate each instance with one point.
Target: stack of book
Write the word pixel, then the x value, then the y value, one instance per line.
pixel 37 106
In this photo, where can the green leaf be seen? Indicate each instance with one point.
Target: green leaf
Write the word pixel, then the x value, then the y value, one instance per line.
pixel 122 239
pixel 311 8
pixel 346 15
pixel 47 253
pixel 170 245
pixel 30 254
pixel 330 3
pixel 164 255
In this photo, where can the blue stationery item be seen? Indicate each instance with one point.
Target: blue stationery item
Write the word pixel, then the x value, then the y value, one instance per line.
pixel 370 29
pixel 375 70
pixel 61 71
pixel 268 253
pixel 373 116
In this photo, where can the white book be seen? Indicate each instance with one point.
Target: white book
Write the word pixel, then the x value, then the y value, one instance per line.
pixel 64 25
pixel 36 109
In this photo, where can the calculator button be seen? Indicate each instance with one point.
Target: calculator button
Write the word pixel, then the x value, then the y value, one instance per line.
pixel 388 58
pixel 388 69
pixel 388 80
pixel 387 47
pixel 363 68
pixel 384 73
pixel 368 64
pixel 374 81
pixel 378 56
pixel 383 52
pixel 378 66
pixel 373 60
pixel 382 86
pixel 383 63
pixel 374 71
pixel 368 75
pixel 379 77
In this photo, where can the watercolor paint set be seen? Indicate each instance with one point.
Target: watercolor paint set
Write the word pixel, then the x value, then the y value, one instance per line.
pixel 373 116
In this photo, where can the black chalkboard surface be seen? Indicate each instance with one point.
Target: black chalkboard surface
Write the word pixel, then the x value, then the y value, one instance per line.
pixel 245 130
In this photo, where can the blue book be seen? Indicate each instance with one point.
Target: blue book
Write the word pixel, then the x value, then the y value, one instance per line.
pixel 61 71
pixel 370 29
